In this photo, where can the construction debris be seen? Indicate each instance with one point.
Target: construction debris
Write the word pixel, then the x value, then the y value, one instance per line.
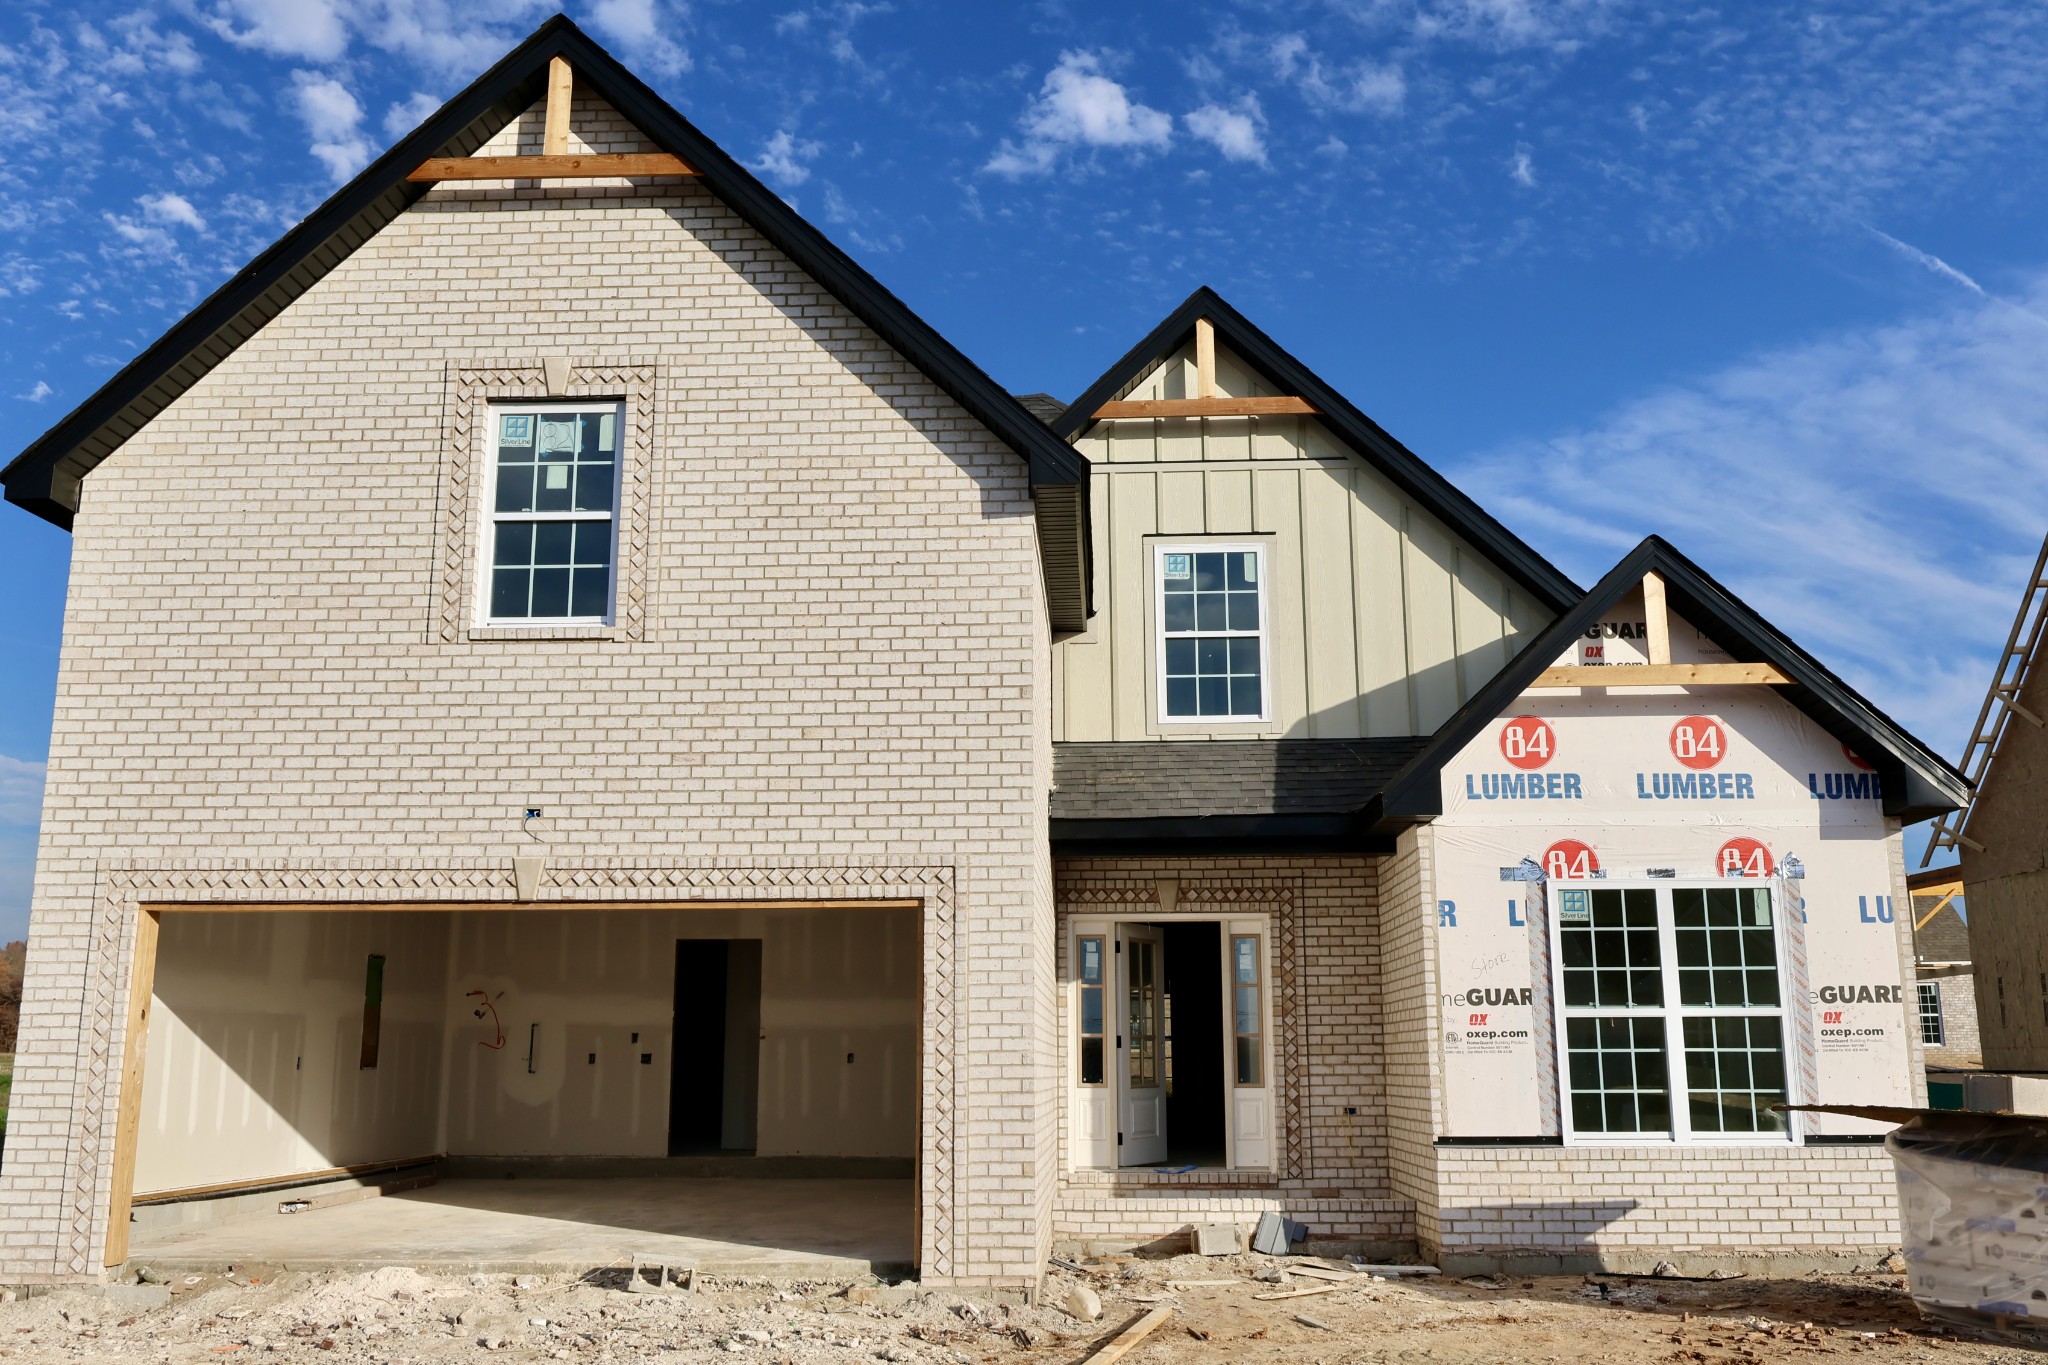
pixel 1216 1239
pixel 399 1316
pixel 1083 1303
pixel 1277 1234
pixel 1123 1341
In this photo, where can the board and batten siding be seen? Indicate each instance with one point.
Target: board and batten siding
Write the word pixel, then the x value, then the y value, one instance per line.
pixel 1382 621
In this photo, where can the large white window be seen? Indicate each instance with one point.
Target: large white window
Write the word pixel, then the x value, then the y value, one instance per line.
pixel 552 536
pixel 1211 607
pixel 1671 1016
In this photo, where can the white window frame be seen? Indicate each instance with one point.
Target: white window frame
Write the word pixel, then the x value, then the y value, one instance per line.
pixel 1672 1013
pixel 1925 990
pixel 487 560
pixel 1162 548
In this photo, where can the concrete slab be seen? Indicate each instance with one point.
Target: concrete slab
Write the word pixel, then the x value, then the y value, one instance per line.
pixel 769 1228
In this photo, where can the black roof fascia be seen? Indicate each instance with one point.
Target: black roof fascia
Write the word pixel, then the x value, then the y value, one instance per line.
pixel 1918 783
pixel 39 479
pixel 1217 836
pixel 1542 579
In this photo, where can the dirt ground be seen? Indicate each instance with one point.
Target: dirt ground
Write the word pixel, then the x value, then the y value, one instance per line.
pixel 401 1317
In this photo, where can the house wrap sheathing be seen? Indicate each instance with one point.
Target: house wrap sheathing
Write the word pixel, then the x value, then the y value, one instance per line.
pixel 572 668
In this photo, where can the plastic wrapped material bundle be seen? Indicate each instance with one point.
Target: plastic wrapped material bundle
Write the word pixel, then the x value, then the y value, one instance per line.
pixel 1973 1198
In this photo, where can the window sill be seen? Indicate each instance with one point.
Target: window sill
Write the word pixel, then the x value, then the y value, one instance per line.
pixel 545 631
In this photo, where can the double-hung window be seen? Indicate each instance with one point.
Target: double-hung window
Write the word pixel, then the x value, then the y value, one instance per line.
pixel 553 522
pixel 1212 647
pixel 1671 1012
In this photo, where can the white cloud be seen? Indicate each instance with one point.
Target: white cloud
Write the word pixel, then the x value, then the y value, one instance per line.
pixel 1522 168
pixel 1236 132
pixel 1078 106
pixel 1359 87
pixel 1929 260
pixel 310 30
pixel 786 158
pixel 643 25
pixel 408 114
pixel 36 394
pixel 334 120
pixel 172 208
pixel 1876 493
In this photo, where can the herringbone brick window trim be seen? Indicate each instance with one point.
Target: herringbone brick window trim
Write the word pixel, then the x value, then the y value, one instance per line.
pixel 472 387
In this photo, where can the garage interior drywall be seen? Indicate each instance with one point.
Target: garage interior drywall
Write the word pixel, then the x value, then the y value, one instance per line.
pixel 514 1033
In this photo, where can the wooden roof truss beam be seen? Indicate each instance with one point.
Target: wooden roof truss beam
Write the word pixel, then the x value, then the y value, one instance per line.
pixel 555 161
pixel 1660 671
pixel 1207 402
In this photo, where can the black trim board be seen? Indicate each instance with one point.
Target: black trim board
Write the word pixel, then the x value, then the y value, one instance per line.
pixel 1514 556
pixel 1218 836
pixel 1918 783
pixel 45 477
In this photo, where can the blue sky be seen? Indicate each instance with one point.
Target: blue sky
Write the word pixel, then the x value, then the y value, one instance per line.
pixel 1766 279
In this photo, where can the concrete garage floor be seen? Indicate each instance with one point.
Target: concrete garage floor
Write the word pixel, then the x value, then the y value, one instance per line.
pixel 774 1228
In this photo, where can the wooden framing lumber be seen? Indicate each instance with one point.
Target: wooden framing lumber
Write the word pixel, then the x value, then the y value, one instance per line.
pixel 1660 675
pixel 128 1124
pixel 283 1184
pixel 554 138
pixel 584 167
pixel 1656 619
pixel 1205 358
pixel 1122 1343
pixel 1207 407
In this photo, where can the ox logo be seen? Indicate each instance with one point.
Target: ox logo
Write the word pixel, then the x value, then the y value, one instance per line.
pixel 1831 1016
pixel 1475 1021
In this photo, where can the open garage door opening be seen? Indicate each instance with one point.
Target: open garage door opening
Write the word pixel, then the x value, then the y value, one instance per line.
pixel 736 1086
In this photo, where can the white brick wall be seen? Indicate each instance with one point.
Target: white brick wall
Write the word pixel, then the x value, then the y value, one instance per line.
pixel 844 659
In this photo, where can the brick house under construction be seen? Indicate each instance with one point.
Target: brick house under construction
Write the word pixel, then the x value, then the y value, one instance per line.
pixel 560 666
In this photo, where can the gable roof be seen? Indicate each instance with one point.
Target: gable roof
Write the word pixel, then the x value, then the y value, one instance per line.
pixel 1918 783
pixel 46 477
pixel 1514 556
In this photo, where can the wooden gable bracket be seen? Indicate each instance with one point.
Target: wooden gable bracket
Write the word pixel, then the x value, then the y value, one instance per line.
pixel 1207 402
pixel 555 161
pixel 1659 671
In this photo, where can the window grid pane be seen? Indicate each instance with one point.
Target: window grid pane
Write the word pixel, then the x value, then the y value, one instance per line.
pixel 1930 1013
pixel 1612 959
pixel 1727 947
pixel 1210 622
pixel 1620 1080
pixel 1735 1072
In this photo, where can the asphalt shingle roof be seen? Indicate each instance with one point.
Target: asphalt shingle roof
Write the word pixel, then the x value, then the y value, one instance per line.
pixel 1945 938
pixel 1193 778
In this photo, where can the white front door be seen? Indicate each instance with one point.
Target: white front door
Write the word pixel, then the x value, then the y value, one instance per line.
pixel 1141 1114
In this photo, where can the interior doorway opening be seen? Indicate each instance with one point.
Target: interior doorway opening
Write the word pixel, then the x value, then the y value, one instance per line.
pixel 1193 1055
pixel 715 1053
